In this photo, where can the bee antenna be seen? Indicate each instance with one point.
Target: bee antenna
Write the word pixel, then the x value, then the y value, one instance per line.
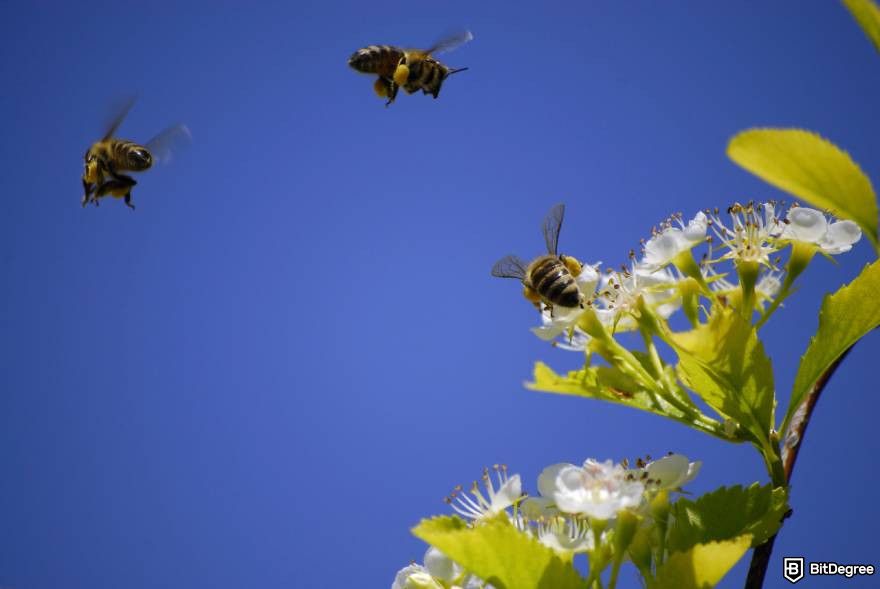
pixel 461 69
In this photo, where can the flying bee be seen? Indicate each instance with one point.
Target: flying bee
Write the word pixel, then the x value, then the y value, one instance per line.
pixel 410 69
pixel 550 278
pixel 107 158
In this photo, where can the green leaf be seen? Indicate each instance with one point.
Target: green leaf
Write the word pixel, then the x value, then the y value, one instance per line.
pixel 724 363
pixel 867 14
pixel 605 384
pixel 811 168
pixel 499 554
pixel 727 513
pixel 845 317
pixel 702 566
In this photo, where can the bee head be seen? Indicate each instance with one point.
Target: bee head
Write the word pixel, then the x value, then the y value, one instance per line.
pixel 140 158
pixel 90 167
pixel 90 170
pixel 356 60
pixel 363 60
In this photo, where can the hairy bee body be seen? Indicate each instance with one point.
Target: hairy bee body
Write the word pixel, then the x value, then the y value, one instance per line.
pixel 381 60
pixel 410 69
pixel 550 277
pixel 425 74
pixel 117 155
pixel 109 157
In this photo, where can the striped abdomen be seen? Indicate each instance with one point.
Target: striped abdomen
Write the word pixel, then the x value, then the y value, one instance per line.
pixel 376 59
pixel 128 155
pixel 550 278
pixel 426 75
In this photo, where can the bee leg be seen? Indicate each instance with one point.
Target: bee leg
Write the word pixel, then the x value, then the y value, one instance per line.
pixel 129 184
pixel 87 192
pixel 120 188
pixel 392 92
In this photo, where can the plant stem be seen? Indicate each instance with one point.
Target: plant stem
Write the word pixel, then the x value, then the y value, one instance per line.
pixel 615 572
pixel 794 438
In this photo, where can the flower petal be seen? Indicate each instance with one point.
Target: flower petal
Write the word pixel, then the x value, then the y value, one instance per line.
pixel 441 566
pixel 547 478
pixel 697 227
pixel 507 494
pixel 806 224
pixel 669 471
pixel 840 237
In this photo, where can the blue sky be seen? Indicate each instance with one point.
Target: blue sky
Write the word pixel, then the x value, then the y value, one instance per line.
pixel 293 350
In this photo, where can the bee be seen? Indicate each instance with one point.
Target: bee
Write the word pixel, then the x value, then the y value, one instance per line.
pixel 411 69
pixel 107 158
pixel 550 278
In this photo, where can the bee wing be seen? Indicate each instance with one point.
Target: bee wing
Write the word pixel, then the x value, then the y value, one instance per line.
pixel 119 115
pixel 551 227
pixel 510 267
pixel 166 142
pixel 451 42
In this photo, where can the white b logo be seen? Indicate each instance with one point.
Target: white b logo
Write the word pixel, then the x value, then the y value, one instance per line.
pixel 793 568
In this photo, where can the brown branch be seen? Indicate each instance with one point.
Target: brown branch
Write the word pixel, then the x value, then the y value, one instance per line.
pixel 794 438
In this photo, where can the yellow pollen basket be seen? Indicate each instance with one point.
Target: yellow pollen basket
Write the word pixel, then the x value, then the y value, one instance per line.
pixel 401 74
pixel 381 88
pixel 573 265
pixel 531 295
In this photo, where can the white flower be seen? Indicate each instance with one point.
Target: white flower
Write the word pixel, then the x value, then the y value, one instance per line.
pixel 750 237
pixel 665 246
pixel 479 507
pixel 620 292
pixel 768 285
pixel 414 576
pixel 565 534
pixel 570 337
pixel 598 489
pixel 441 566
pixel 560 320
pixel 810 226
pixel 670 472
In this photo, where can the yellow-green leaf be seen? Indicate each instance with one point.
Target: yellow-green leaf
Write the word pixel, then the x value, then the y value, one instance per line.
pixel 726 513
pixel 724 363
pixel 811 168
pixel 605 384
pixel 867 14
pixel 702 566
pixel 845 317
pixel 499 554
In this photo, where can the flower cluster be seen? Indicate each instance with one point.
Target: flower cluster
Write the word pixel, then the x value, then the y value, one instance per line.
pixel 576 507
pixel 659 281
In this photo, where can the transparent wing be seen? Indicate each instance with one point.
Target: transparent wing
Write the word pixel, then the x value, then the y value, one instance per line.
pixel 172 139
pixel 451 42
pixel 119 113
pixel 510 267
pixel 552 225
